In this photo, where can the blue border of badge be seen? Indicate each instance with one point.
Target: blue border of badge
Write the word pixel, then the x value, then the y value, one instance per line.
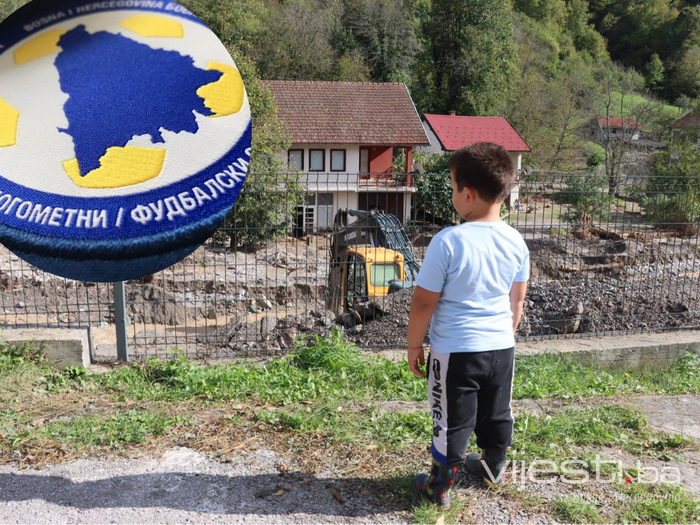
pixel 119 218
pixel 122 237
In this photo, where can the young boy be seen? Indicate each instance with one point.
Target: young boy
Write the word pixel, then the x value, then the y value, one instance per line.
pixel 472 285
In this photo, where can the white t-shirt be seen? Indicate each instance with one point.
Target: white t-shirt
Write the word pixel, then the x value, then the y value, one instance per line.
pixel 474 265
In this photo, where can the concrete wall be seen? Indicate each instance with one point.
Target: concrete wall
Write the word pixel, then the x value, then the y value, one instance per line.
pixel 63 347
pixel 634 351
pixel 517 159
pixel 381 159
pixel 435 146
pixel 352 155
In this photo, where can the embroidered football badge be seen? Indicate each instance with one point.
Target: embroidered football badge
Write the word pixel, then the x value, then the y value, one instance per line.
pixel 125 137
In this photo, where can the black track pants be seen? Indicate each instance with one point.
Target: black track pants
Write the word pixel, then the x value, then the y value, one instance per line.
pixel 470 391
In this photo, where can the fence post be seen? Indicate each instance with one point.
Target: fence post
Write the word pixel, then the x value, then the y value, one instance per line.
pixel 120 321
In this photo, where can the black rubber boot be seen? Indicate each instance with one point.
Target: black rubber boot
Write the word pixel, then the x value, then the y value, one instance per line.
pixel 436 486
pixel 494 459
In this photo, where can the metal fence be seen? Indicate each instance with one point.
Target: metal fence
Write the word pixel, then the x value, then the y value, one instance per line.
pixel 606 258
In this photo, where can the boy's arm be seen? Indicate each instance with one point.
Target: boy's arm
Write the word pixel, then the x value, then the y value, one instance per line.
pixel 422 308
pixel 517 298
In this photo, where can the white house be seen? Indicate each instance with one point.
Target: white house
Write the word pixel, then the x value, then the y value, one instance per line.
pixel 452 132
pixel 344 139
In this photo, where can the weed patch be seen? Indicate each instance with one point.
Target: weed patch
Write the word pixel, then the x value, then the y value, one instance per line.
pixel 553 436
pixel 553 375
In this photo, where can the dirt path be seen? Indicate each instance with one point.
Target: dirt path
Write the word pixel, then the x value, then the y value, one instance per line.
pixel 262 486
pixel 184 486
pixel 181 486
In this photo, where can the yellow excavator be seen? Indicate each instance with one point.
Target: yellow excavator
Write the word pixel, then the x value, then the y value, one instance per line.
pixel 370 258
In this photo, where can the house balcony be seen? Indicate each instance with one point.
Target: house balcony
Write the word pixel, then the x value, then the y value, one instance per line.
pixel 359 182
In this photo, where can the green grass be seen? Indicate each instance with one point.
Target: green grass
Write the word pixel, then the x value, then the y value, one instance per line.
pixel 631 101
pixel 593 148
pixel 129 427
pixel 333 369
pixel 553 436
pixel 658 503
pixel 369 426
pixel 329 369
pixel 539 216
pixel 559 232
pixel 424 512
pixel 535 437
pixel 574 510
pixel 562 376
pixel 13 357
pixel 332 392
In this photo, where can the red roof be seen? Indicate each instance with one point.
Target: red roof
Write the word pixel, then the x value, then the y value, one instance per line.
pixel 691 120
pixel 348 113
pixel 455 131
pixel 616 122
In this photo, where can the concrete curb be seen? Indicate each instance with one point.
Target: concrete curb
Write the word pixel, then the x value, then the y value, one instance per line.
pixel 635 351
pixel 63 347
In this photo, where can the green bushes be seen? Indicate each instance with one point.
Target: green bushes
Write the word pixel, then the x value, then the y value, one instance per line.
pixel 672 195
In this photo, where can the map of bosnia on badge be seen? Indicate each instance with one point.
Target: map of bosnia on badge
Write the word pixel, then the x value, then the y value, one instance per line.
pixel 125 137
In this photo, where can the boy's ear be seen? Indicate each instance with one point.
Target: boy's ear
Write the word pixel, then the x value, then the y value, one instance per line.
pixel 470 194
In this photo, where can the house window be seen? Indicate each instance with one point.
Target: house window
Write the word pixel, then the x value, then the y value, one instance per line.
pixel 325 199
pixel 317 160
pixel 295 159
pixel 337 160
pixel 364 160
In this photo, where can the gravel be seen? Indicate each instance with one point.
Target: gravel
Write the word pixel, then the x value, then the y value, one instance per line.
pixel 181 486
pixel 184 486
pixel 643 300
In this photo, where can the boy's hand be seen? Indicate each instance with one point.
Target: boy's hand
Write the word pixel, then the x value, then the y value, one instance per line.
pixel 422 307
pixel 416 356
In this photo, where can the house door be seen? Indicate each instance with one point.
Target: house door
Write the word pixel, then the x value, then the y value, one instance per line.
pixel 324 211
pixel 364 160
pixel 316 213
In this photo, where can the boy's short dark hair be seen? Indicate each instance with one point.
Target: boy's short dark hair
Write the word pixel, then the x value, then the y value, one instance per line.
pixel 486 168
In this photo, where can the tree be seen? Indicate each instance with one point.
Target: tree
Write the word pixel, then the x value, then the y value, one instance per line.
pixel 434 196
pixel 386 34
pixel 351 67
pixel 268 200
pixel 636 29
pixel 583 33
pixel 474 54
pixel 685 74
pixel 686 30
pixel 654 73
pixel 672 195
pixel 541 10
pixel 296 42
pixel 566 100
pixel 548 103
pixel 237 23
pixel 617 99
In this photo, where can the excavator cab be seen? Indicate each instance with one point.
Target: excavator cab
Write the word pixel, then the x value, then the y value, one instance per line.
pixel 369 273
pixel 370 258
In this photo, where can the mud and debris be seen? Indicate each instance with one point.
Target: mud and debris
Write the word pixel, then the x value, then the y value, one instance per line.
pixel 223 303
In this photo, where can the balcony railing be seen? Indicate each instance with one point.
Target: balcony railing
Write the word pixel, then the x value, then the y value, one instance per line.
pixel 358 181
